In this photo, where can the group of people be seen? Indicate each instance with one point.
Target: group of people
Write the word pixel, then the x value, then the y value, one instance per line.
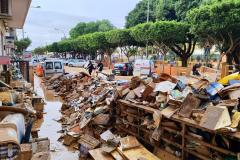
pixel 91 67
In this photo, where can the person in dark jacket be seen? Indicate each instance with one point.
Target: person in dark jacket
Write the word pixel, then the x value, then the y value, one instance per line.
pixel 196 68
pixel 100 66
pixel 90 67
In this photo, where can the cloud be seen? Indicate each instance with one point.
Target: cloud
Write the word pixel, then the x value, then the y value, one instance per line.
pixel 40 26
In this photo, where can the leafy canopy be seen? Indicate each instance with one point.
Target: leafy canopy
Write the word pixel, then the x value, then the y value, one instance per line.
pixel 39 50
pixel 22 44
pixel 90 27
pixel 218 21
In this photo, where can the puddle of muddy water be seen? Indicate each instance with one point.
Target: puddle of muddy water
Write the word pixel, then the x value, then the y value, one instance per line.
pixel 49 126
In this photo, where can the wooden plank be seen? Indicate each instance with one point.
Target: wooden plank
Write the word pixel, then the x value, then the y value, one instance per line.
pixel 142 107
pixel 117 156
pixel 197 154
pixel 138 153
pixel 172 130
pixel 164 155
pixel 98 154
pixel 227 152
pixel 194 124
pixel 172 143
pixel 135 134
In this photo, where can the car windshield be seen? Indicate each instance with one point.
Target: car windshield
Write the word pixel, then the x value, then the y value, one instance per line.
pixel 49 65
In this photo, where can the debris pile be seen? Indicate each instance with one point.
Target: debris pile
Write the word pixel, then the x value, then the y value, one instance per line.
pixel 184 117
pixel 18 107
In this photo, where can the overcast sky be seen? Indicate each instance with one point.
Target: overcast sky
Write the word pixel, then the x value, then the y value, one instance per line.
pixel 64 14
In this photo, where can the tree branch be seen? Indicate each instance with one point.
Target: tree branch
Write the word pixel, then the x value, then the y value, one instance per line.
pixel 175 51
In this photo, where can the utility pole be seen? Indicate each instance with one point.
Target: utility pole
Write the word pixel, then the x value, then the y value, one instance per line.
pixel 148 12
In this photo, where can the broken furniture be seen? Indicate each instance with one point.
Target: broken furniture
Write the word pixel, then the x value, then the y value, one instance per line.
pixel 180 137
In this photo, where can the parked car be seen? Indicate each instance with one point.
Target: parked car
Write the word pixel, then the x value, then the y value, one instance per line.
pixel 77 63
pixel 65 61
pixel 51 67
pixel 124 69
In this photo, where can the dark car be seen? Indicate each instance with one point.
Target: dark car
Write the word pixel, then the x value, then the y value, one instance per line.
pixel 124 69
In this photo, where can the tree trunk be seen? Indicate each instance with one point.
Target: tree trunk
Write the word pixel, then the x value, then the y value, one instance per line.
pixel 236 57
pixel 110 59
pixel 184 61
pixel 128 58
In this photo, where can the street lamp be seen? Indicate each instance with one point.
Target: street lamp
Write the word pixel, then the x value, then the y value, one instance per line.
pixel 61 30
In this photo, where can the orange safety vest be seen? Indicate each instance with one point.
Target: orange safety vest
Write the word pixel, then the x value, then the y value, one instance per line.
pixel 39 70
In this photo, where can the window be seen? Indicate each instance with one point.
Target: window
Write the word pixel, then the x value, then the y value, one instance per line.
pixel 49 65
pixel 4 6
pixel 57 65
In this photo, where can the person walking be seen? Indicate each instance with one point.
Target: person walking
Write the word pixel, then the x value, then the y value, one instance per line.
pixel 100 66
pixel 90 67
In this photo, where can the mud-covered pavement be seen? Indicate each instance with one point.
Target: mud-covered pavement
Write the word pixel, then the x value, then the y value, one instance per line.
pixel 49 127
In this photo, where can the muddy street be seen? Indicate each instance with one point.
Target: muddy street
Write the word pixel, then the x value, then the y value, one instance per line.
pixel 49 127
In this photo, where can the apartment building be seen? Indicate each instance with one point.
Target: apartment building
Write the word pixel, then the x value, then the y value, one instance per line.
pixel 12 16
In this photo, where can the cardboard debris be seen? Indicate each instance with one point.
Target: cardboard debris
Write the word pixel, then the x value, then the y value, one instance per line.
pixel 190 103
pixel 128 142
pixel 169 111
pixel 235 120
pixel 164 87
pixel 216 117
pixel 116 155
pixel 107 136
pixel 138 153
pixel 98 154
pixel 148 90
pixel 89 141
pixel 139 90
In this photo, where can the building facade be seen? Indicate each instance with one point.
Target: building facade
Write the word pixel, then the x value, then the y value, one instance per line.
pixel 13 14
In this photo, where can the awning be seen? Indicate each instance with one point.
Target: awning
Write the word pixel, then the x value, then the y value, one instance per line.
pixel 5 60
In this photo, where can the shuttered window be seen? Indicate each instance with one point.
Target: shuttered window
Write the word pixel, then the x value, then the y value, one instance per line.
pixel 4 6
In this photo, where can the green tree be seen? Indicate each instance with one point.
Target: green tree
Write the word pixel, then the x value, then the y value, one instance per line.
pixel 165 10
pixel 139 14
pixel 40 50
pixel 171 34
pixel 183 6
pixel 90 27
pixel 123 39
pixel 219 22
pixel 161 10
pixel 22 45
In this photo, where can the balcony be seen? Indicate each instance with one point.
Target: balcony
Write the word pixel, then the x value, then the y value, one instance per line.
pixel 14 12
pixel 5 9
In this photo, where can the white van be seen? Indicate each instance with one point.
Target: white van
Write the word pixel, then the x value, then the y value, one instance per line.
pixel 143 67
pixel 53 67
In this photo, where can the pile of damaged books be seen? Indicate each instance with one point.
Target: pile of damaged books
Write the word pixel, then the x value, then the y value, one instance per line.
pixel 143 108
